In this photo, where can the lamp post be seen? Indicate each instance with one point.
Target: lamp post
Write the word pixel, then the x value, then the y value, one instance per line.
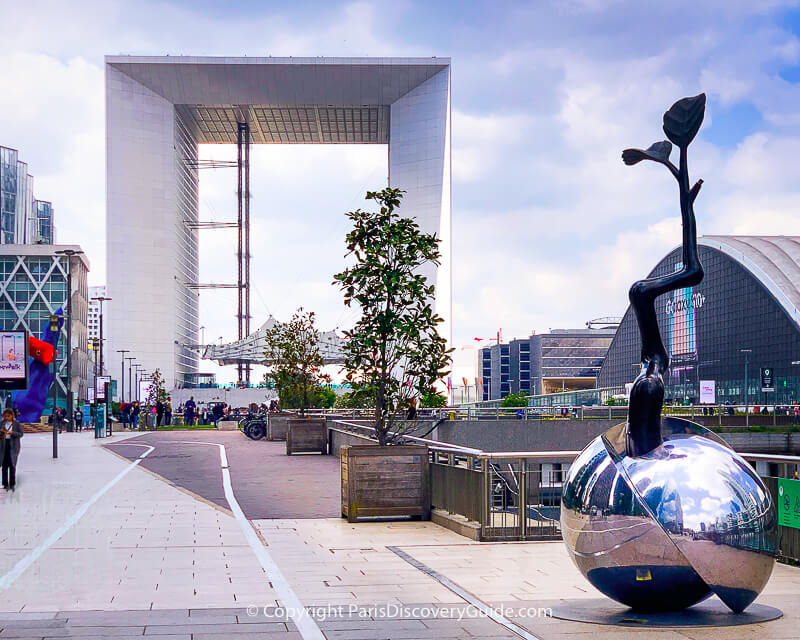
pixel 746 353
pixel 130 360
pixel 138 369
pixel 101 300
pixel 54 333
pixel 69 253
pixel 122 375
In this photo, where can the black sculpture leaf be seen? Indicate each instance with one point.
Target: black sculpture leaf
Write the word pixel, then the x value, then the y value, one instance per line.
pixel 683 120
pixel 658 152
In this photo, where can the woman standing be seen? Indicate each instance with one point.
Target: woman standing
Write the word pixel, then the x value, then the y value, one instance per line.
pixel 10 433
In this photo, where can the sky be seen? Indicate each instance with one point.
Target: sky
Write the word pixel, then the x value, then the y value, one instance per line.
pixel 549 227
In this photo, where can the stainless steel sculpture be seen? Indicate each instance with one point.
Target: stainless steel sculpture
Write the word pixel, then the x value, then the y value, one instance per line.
pixel 661 514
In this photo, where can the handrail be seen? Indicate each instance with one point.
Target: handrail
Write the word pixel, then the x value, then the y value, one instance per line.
pixel 446 447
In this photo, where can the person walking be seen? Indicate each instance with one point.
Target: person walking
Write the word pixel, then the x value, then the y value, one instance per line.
pixel 135 410
pixel 159 413
pixel 188 411
pixel 168 412
pixel 10 434
pixel 77 416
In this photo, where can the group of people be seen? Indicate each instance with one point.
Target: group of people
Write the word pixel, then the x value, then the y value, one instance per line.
pixel 130 413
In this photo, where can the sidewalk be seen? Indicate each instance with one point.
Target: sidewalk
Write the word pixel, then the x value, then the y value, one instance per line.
pixel 148 558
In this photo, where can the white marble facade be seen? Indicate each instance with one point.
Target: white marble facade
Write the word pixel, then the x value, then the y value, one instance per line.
pixel 152 254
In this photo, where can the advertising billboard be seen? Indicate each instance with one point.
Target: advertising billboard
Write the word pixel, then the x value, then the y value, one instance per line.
pixel 708 392
pixel 13 360
pixel 100 387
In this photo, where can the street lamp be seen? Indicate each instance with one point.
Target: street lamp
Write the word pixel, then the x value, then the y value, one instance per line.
pixel 101 300
pixel 138 370
pixel 122 374
pixel 746 353
pixel 130 360
pixel 54 331
pixel 69 253
pixel 202 335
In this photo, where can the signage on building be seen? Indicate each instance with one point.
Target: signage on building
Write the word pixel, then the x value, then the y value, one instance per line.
pixel 693 301
pixel 708 392
pixel 90 394
pixel 789 503
pixel 13 360
pixel 767 380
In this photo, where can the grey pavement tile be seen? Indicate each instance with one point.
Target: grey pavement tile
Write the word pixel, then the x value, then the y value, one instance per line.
pixel 33 624
pixel 69 632
pixel 78 637
pixel 222 611
pixel 396 634
pixel 266 627
pixel 290 635
pixel 6 616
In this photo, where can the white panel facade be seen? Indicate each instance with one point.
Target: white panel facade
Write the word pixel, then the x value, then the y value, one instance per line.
pixel 141 211
pixel 419 163
pixel 152 191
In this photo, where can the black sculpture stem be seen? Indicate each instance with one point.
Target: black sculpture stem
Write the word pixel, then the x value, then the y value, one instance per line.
pixel 647 393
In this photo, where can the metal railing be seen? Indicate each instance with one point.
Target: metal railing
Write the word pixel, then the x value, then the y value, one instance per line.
pixel 516 495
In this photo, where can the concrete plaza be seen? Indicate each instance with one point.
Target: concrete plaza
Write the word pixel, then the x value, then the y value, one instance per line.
pixel 103 543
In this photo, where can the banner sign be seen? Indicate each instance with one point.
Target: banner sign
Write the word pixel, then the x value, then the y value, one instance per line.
pixel 767 380
pixel 100 387
pixel 708 392
pixel 13 360
pixel 789 503
pixel 90 393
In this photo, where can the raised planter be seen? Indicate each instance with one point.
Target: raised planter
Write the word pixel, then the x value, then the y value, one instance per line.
pixel 385 481
pixel 306 435
pixel 278 425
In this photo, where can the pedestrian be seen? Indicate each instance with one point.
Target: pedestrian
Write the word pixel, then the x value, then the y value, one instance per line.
pixel 168 412
pixel 125 414
pixel 189 410
pixel 159 413
pixel 10 434
pixel 78 418
pixel 135 410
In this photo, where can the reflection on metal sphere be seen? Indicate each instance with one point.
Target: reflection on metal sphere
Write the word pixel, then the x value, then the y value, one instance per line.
pixel 665 530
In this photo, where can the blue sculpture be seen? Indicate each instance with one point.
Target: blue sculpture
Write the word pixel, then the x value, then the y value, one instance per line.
pixel 658 515
pixel 32 400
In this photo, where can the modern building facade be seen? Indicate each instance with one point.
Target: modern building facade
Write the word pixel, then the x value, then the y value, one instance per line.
pixel 744 314
pixel 544 363
pixel 23 219
pixel 33 286
pixel 93 325
pixel 159 109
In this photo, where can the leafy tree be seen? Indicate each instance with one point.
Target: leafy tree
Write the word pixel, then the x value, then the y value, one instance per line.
pixel 318 398
pixel 433 400
pixel 158 392
pixel 514 400
pixel 394 349
pixel 359 398
pixel 293 347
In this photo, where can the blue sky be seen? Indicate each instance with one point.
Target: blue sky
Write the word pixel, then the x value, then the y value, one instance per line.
pixel 549 227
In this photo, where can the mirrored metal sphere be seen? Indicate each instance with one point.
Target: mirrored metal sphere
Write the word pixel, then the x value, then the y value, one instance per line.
pixel 665 530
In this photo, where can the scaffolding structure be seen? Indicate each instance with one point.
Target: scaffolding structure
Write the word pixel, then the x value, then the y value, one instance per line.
pixel 242 224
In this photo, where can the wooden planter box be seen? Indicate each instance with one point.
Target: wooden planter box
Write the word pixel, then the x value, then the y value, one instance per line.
pixel 306 435
pixel 385 481
pixel 277 426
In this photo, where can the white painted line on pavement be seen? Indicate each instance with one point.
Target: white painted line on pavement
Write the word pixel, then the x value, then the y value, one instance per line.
pixel 306 625
pixel 16 571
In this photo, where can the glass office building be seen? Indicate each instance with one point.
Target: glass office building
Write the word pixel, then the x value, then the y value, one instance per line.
pixel 563 359
pixel 743 314
pixel 23 219
pixel 33 286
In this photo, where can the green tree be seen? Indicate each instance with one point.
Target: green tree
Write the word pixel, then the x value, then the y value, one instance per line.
pixel 158 392
pixel 293 349
pixel 433 400
pixel 359 398
pixel 514 400
pixel 394 349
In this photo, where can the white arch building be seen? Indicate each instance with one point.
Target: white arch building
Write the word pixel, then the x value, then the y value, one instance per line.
pixel 159 109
